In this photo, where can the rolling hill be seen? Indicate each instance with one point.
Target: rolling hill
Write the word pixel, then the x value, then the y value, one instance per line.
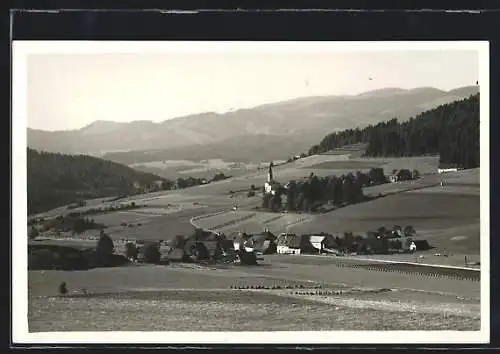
pixel 57 179
pixel 270 127
pixel 450 130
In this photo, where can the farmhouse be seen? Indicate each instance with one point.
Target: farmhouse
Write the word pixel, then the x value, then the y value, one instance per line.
pixel 446 170
pixel 322 242
pixel 401 175
pixel 288 244
pixel 447 167
pixel 393 178
pixel 239 240
pixel 263 243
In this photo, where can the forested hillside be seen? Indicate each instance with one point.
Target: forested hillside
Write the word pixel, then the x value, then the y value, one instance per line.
pixel 57 179
pixel 450 130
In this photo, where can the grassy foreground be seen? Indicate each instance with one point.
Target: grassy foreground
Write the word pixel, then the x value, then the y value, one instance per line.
pixel 192 298
pixel 224 311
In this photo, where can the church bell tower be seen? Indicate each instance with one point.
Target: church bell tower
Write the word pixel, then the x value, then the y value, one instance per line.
pixel 270 173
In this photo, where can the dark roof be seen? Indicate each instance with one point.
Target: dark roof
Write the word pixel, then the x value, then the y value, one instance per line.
pixel 292 241
pixel 266 235
pixel 211 246
pixel 227 245
pixel 240 237
pixel 260 242
pixel 258 238
pixel 202 235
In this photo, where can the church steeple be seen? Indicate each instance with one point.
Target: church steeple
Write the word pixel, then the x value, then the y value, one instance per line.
pixel 270 173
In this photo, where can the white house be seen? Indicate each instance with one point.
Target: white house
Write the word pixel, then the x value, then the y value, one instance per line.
pixel 446 170
pixel 393 178
pixel 322 242
pixel 288 244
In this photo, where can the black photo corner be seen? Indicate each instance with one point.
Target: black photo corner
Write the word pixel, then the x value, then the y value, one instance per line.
pixel 197 22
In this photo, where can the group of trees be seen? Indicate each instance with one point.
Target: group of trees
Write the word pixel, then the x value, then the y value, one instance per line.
pixel 385 232
pixel 309 194
pixel 99 210
pixel 68 258
pixel 450 130
pixel 80 225
pixel 105 246
pixel 294 158
pixel 62 223
pixel 151 252
pixel 382 240
pixel 185 182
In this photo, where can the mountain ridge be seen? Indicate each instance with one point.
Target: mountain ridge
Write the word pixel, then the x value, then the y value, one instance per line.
pixel 307 117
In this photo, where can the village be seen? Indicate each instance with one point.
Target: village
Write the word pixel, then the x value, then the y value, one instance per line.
pixel 212 247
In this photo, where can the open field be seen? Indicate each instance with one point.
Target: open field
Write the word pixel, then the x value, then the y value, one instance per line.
pixel 159 228
pixel 347 164
pixel 173 169
pixel 275 268
pixel 228 311
pixel 189 297
pixel 250 221
pixel 424 164
pixel 353 150
pixel 431 211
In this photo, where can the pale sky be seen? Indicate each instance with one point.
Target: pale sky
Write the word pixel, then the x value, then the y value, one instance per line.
pixel 70 91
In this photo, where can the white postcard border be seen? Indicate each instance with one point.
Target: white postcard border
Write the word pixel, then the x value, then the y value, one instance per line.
pixel 22 49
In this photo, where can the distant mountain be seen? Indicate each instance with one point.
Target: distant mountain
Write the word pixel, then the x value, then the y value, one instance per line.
pixel 304 120
pixel 253 148
pixel 56 179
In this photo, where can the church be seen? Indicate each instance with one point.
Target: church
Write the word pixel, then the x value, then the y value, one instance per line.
pixel 271 186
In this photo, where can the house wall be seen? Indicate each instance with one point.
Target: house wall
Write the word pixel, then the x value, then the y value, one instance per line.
pixel 282 249
pixel 317 245
pixel 287 250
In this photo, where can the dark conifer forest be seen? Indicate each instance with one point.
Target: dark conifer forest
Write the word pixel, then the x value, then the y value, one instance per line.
pixel 57 179
pixel 450 130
